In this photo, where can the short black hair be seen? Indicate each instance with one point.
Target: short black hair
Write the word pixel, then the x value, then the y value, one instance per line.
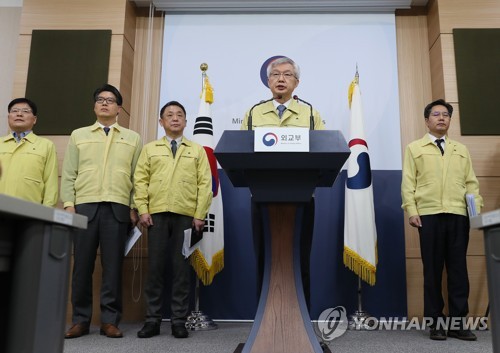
pixel 428 108
pixel 172 103
pixel 32 104
pixel 109 88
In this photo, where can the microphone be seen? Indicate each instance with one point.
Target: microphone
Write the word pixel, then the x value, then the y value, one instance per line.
pixel 251 110
pixel 311 121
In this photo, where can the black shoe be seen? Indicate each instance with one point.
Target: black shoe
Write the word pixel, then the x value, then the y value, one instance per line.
pixel 150 329
pixel 437 334
pixel 465 335
pixel 179 331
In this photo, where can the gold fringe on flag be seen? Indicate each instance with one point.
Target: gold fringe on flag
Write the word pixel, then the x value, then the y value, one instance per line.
pixel 205 273
pixel 209 91
pixel 365 270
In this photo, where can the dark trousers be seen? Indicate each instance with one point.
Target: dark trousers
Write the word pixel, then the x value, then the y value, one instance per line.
pixel 443 242
pixel 165 239
pixel 306 237
pixel 104 230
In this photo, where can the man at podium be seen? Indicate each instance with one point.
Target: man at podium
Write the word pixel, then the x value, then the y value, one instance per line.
pixel 284 110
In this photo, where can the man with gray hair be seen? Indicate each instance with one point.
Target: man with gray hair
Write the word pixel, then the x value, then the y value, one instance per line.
pixel 284 110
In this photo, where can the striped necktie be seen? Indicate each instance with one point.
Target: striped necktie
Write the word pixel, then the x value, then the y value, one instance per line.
pixel 174 147
pixel 438 143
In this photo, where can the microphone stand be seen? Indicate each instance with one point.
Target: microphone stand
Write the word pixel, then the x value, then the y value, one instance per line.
pixel 249 125
pixel 311 117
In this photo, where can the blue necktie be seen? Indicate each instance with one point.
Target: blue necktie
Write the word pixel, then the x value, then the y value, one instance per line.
pixel 106 130
pixel 281 109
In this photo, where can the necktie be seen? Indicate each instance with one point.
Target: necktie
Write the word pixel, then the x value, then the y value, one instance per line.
pixel 106 130
pixel 174 147
pixel 281 109
pixel 438 143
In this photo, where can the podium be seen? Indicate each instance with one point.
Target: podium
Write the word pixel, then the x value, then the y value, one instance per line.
pixel 489 222
pixel 35 253
pixel 282 181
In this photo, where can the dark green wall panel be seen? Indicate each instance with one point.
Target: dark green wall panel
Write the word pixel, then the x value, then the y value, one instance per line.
pixel 65 68
pixel 477 57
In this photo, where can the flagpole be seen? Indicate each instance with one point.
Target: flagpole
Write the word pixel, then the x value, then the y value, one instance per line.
pixel 358 320
pixel 359 240
pixel 198 321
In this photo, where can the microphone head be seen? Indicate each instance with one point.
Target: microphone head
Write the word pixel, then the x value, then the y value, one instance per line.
pixel 296 97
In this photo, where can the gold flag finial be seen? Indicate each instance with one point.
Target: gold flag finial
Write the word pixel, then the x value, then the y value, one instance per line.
pixel 354 82
pixel 206 86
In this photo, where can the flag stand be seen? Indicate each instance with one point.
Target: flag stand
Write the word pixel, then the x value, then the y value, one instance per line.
pixel 358 320
pixel 198 321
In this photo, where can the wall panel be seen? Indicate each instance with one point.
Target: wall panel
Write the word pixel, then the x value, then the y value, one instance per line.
pixel 9 32
pixel 437 74
pixel 468 14
pixel 414 93
pixel 444 15
pixel 73 14
pixel 146 78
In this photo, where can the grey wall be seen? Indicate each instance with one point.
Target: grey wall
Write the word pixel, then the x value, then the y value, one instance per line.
pixel 10 16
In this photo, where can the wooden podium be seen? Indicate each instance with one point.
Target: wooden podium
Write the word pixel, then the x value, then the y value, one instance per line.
pixel 283 181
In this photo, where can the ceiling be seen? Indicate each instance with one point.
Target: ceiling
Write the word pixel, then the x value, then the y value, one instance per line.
pixel 279 6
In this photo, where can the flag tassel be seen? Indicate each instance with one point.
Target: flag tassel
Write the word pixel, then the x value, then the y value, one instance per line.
pixel 205 272
pixel 362 268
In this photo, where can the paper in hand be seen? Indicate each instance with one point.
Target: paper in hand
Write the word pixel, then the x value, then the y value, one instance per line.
pixel 196 236
pixel 471 205
pixel 192 239
pixel 132 238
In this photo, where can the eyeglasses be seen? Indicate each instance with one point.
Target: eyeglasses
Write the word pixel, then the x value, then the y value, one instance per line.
pixel 444 114
pixel 170 116
pixel 101 100
pixel 23 111
pixel 276 75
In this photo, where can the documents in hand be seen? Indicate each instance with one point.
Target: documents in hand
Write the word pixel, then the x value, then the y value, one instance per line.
pixel 192 239
pixel 471 205
pixel 132 238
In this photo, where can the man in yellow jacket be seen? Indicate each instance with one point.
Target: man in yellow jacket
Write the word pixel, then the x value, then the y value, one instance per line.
pixel 97 182
pixel 437 175
pixel 284 110
pixel 173 192
pixel 29 161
